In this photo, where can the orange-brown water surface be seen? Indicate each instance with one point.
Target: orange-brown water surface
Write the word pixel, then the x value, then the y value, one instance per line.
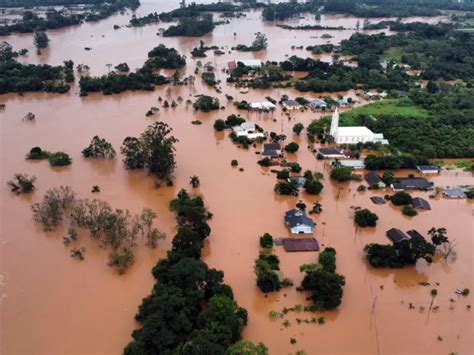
pixel 53 304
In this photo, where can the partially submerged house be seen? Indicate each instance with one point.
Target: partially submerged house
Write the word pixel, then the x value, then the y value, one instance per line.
pixel 396 235
pixel 377 200
pixel 412 183
pixel 331 153
pixel 262 106
pixel 247 129
pixel 454 193
pixel 354 164
pixel 344 102
pixel 374 180
pixel 418 202
pixel 428 169
pixel 292 105
pixel 251 63
pixel 272 150
pixel 299 222
pixel 318 104
pixel 299 180
pixel 375 95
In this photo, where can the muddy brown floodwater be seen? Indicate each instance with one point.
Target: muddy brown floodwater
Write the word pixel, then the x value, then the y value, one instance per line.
pixel 52 304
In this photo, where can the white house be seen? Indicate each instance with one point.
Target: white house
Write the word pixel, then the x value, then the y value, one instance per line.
pixel 292 105
pixel 247 129
pixel 428 169
pixel 299 222
pixel 354 164
pixel 353 134
pixel 262 106
pixel 332 153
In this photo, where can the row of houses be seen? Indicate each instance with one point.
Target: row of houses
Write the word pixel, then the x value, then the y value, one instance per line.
pixel 402 183
pixel 316 104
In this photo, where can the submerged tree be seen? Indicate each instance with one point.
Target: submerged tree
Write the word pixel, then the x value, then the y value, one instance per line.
pixel 194 181
pixel 365 218
pixel 153 150
pixel 99 148
pixel 324 284
pixel 40 40
pixel 22 183
pixel 49 212
pixel 260 42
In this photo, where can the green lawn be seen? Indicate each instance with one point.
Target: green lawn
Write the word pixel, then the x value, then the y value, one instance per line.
pixel 392 107
pixel 394 53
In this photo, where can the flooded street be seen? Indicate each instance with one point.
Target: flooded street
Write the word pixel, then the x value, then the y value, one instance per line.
pixel 53 304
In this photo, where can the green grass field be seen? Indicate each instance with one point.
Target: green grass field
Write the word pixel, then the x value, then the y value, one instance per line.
pixel 392 107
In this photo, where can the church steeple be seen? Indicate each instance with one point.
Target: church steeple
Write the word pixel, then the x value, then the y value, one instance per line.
pixel 334 123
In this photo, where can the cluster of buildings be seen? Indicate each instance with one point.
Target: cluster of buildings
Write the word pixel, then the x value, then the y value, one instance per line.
pixel 316 104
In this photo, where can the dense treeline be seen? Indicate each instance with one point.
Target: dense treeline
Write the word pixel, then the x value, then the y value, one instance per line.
pixel 31 22
pixel 190 309
pixel 28 3
pixel 144 78
pixel 285 10
pixel 439 51
pixel 191 27
pixel 18 77
pixel 324 77
pixel 447 133
pixel 363 8
pixel 116 83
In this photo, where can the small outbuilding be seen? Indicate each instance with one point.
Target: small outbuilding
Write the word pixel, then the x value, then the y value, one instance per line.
pixel 418 202
pixel 377 200
pixel 300 244
pixel 373 179
pixel 428 169
pixel 396 235
pixel 299 222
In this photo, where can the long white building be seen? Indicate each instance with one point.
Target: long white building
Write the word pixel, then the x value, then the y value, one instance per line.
pixel 353 135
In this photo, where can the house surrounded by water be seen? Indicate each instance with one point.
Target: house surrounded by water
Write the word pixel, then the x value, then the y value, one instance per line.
pixel 299 222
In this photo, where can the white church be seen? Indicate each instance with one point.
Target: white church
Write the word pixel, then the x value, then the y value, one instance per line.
pixel 353 135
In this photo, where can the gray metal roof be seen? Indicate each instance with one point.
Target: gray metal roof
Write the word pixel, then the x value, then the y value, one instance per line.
pixel 418 202
pixel 396 235
pixel 296 218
